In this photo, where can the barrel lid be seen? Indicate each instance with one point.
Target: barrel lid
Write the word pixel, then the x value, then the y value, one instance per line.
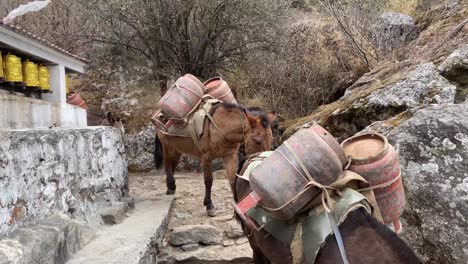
pixel 365 147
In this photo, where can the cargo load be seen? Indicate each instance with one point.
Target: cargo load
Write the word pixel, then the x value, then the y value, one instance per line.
pixel 295 173
pixel 182 98
pixel 375 159
pixel 219 89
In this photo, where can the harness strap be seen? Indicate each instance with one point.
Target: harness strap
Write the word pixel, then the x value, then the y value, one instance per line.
pixel 296 247
pixel 339 240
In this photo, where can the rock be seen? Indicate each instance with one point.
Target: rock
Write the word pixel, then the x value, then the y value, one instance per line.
pixel 193 234
pixel 115 214
pixel 234 229
pixel 130 201
pixel 140 149
pixel 190 247
pixel 241 241
pixel 422 85
pixel 392 30
pixel 228 242
pixel 215 254
pixel 54 240
pixel 386 91
pixel 455 67
pixel 433 150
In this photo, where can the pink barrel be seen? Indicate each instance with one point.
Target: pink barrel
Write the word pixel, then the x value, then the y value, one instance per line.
pixel 219 89
pixel 280 177
pixel 182 98
pixel 74 98
pixel 376 160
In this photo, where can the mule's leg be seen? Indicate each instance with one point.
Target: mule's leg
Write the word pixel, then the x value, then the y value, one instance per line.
pixel 230 164
pixel 208 175
pixel 171 160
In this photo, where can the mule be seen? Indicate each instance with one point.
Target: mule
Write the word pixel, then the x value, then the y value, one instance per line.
pixel 108 120
pixel 233 126
pixel 365 239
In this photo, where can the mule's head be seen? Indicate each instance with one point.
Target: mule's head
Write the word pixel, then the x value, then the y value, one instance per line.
pixel 114 121
pixel 259 137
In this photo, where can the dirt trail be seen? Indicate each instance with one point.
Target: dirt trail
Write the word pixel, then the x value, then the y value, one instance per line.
pixel 189 210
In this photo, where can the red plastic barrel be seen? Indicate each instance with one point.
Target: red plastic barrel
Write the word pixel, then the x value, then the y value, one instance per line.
pixel 219 89
pixel 182 98
pixel 376 160
pixel 280 178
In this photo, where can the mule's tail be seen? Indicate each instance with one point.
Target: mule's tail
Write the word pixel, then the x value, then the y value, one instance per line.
pixel 158 153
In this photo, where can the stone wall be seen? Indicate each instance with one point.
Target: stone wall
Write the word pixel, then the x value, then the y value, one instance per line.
pixel 73 171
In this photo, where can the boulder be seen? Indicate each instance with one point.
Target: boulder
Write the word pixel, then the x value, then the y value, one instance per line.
pixel 455 67
pixel 433 149
pixel 388 90
pixel 196 234
pixel 53 240
pixel 392 30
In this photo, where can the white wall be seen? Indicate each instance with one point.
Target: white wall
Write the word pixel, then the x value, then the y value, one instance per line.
pixel 18 112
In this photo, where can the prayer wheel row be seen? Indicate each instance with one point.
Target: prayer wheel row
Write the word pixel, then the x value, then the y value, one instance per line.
pixel 13 69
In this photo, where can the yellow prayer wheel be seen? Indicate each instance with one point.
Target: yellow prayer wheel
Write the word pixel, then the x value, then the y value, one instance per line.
pixel 44 78
pixel 2 75
pixel 31 74
pixel 67 83
pixel 13 68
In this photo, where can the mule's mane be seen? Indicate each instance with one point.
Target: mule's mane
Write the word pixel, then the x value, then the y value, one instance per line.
pixel 257 111
pixel 227 106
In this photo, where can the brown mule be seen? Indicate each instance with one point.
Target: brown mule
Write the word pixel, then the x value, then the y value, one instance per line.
pixel 235 126
pixel 365 240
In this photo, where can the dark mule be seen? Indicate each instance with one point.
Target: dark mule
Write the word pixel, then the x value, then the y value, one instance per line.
pixel 108 120
pixel 365 239
pixel 234 126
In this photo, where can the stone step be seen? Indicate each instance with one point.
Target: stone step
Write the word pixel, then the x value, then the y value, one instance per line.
pixel 133 241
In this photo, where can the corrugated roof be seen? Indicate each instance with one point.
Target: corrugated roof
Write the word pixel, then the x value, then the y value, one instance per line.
pixel 44 42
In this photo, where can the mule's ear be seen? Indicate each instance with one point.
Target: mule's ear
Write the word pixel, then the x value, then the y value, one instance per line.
pixel 253 121
pixel 272 117
pixel 110 118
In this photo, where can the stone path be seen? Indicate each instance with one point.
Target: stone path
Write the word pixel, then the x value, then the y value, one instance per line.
pixel 189 214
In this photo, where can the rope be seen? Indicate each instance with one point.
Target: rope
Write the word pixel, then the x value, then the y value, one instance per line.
pixel 382 185
pixel 327 202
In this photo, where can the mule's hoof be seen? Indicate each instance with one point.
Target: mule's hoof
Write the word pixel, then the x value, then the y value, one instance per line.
pixel 211 212
pixel 170 192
